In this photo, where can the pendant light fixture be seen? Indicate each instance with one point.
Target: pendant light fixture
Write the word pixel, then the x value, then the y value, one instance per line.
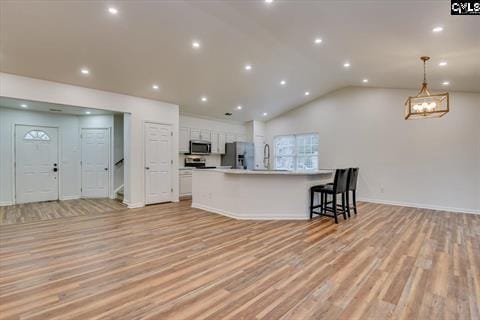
pixel 424 104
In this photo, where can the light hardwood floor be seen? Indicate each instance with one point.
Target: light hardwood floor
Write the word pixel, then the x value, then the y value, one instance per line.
pixel 30 212
pixel 174 262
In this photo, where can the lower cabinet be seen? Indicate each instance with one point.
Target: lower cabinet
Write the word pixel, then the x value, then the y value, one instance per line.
pixel 185 183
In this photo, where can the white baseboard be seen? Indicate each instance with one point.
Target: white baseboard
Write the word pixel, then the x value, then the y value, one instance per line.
pixel 6 203
pixel 246 216
pixel 70 197
pixel 134 205
pixel 420 206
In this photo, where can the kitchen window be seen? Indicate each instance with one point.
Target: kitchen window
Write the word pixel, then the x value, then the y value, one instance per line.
pixel 296 152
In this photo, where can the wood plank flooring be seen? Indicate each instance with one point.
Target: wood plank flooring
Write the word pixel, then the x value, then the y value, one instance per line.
pixel 30 212
pixel 174 262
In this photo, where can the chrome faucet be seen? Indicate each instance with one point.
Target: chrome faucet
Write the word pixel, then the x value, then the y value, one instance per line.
pixel 266 155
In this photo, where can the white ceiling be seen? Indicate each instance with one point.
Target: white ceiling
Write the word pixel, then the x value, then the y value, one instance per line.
pixel 150 42
pixel 49 107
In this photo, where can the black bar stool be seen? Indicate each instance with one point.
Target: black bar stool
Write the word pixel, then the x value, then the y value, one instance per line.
pixel 339 186
pixel 352 186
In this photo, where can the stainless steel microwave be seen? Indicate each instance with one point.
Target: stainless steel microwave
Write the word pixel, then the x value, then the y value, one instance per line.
pixel 200 147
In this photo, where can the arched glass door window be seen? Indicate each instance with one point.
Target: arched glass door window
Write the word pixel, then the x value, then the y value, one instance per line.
pixel 36 135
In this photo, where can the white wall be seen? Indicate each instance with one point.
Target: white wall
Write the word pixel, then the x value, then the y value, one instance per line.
pixel 433 163
pixel 69 150
pixel 190 121
pixel 69 127
pixel 140 110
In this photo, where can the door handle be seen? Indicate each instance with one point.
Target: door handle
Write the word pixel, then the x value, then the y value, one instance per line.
pixel 106 169
pixel 147 168
pixel 55 169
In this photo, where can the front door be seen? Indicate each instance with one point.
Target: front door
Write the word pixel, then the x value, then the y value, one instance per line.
pixel 158 163
pixel 95 163
pixel 36 164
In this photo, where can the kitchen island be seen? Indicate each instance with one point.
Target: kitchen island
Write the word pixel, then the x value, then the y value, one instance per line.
pixel 256 195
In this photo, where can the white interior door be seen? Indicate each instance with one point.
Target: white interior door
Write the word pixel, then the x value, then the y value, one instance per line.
pixel 36 164
pixel 158 163
pixel 95 163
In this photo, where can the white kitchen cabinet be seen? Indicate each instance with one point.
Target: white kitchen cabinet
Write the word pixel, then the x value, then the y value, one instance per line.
pixel 195 134
pixel 221 143
pixel 185 183
pixel 184 140
pixel 214 141
pixel 231 137
pixel 205 135
pixel 200 134
pixel 218 142
pixel 242 138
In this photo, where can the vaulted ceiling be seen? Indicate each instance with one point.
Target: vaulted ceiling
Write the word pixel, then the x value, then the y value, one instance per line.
pixel 150 42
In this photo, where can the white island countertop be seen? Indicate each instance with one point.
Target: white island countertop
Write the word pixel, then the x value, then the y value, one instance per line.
pixel 275 172
pixel 256 194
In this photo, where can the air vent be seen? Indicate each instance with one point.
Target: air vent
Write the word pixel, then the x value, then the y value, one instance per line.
pixel 55 110
pixel 228 114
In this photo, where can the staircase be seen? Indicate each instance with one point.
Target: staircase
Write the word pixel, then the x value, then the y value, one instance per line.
pixel 119 194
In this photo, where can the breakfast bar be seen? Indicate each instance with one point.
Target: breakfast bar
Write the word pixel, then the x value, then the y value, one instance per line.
pixel 256 194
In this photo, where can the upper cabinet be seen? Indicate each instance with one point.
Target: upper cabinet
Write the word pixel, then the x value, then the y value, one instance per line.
pixel 221 143
pixel 184 140
pixel 218 142
pixel 217 133
pixel 230 137
pixel 200 134
pixel 242 138
pixel 214 141
pixel 205 135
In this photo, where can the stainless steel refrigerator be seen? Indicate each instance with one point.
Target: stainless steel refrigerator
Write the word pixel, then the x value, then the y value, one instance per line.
pixel 239 155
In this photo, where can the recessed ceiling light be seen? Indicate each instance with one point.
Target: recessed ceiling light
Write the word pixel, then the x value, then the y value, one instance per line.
pixel 283 82
pixel 195 44
pixel 248 67
pixel 346 64
pixel 155 87
pixel 445 83
pixel 239 107
pixel 437 29
pixel 264 114
pixel 87 112
pixel 318 40
pixel 268 1
pixel 442 63
pixel 204 99
pixel 307 93
pixel 113 10
pixel 85 71
pixel 365 80
pixel 23 105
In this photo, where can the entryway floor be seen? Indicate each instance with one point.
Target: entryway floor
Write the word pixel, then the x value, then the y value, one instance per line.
pixel 38 211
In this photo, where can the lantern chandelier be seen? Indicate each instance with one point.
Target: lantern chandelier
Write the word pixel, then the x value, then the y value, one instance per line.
pixel 424 104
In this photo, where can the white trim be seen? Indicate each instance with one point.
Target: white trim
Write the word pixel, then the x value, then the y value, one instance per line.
pixel 420 206
pixel 249 217
pixel 134 205
pixel 70 198
pixel 6 203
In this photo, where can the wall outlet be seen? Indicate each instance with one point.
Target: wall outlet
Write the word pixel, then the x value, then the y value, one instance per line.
pixel 382 190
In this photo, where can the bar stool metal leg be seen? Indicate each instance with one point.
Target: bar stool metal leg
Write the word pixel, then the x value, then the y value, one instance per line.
pixel 343 207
